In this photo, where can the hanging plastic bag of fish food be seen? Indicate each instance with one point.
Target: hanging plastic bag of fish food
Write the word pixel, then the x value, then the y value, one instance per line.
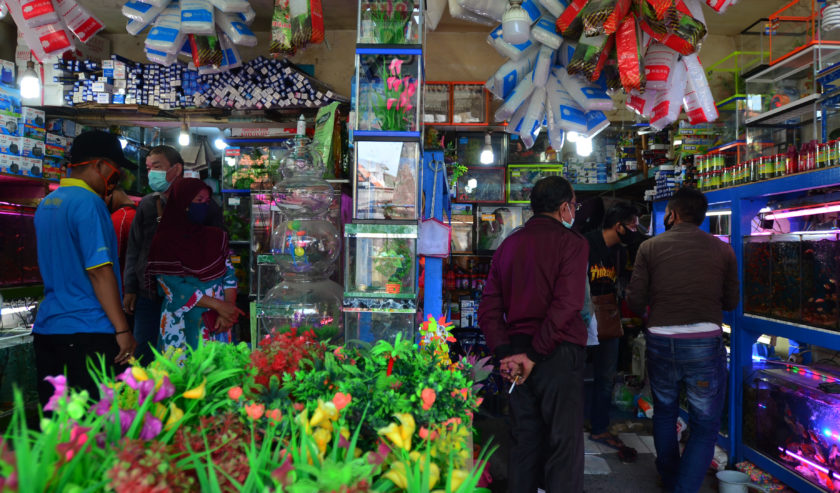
pixel 590 56
pixel 629 56
pixel 698 101
pixel 678 30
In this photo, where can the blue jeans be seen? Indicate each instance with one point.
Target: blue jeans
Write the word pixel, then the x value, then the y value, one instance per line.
pixel 698 365
pixel 146 328
pixel 604 362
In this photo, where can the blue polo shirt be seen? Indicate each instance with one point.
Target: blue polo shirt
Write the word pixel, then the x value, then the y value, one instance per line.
pixel 75 234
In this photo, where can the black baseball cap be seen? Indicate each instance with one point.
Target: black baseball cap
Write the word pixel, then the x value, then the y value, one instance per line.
pixel 98 144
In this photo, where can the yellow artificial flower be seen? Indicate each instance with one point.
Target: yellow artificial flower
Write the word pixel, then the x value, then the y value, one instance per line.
pixel 160 410
pixel 198 392
pixel 407 427
pixel 139 373
pixel 324 415
pixel 457 477
pixel 175 415
pixel 302 419
pixel 392 432
pixel 322 438
pixel 397 475
pixel 434 470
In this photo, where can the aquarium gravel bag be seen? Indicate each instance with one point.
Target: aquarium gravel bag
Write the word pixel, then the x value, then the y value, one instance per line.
pixel 513 71
pixel 79 20
pixel 197 17
pixel 517 98
pixel 534 116
pixel 234 26
pixel 543 31
pixel 698 101
pixel 554 7
pixel 659 61
pixel 669 103
pixel 542 67
pixel 505 49
pixel 642 104
pixel 232 6
pixel 458 12
pixel 587 95
pixel 568 115
pixel 166 35
pixel 492 9
pixel 141 11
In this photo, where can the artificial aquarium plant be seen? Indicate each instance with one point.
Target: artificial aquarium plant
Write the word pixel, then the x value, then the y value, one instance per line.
pixel 394 261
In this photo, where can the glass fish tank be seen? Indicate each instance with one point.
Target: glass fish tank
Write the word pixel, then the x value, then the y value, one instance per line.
pixel 790 419
pixel 381 320
pixel 380 259
pixel 793 278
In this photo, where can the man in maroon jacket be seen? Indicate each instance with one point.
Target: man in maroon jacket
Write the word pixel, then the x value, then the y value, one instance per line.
pixel 530 315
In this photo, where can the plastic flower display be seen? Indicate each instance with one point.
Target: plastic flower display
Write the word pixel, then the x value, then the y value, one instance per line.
pixel 394 108
pixel 203 421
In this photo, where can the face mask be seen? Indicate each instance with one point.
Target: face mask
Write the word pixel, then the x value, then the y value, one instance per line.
pixel 197 212
pixel 569 223
pixel 157 180
pixel 667 224
pixel 628 237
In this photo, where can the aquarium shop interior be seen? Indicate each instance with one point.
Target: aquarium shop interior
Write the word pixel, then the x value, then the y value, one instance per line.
pixel 364 161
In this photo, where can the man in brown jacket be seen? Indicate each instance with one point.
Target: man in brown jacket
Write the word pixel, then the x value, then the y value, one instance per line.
pixel 686 278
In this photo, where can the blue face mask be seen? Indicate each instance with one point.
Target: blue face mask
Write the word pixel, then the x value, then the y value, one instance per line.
pixel 157 180
pixel 569 223
pixel 197 212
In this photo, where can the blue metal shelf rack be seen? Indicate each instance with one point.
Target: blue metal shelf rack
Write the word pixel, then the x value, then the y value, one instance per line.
pixel 745 201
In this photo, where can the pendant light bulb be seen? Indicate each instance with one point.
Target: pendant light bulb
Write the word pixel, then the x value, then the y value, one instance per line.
pixel 486 151
pixel 583 146
pixel 184 136
pixel 220 143
pixel 516 24
pixel 30 84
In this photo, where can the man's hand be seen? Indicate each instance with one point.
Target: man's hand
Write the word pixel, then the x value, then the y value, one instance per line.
pixel 517 365
pixel 127 346
pixel 129 302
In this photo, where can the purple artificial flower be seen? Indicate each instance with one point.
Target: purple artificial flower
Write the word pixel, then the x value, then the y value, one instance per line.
pixel 106 400
pixel 60 384
pixel 126 419
pixel 144 390
pixel 166 390
pixel 151 428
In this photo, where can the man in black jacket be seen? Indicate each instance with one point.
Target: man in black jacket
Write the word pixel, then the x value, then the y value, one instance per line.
pixel 165 167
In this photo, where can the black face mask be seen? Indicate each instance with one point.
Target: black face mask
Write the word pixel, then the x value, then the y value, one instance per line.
pixel 629 236
pixel 668 225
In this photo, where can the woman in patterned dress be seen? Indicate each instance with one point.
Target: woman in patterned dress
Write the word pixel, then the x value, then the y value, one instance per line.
pixel 191 265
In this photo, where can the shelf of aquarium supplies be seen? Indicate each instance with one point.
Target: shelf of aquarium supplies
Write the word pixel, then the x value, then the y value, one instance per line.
pixel 11 178
pixel 804 334
pixel 616 185
pixel 727 146
pixel 807 180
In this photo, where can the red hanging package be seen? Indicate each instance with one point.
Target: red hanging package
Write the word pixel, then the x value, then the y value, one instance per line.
pixel 317 21
pixel 678 30
pixel 660 7
pixel 629 59
pixel 622 7
pixel 564 22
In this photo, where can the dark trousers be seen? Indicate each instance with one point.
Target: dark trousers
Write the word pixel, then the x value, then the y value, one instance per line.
pixel 604 362
pixel 547 413
pixel 68 354
pixel 146 327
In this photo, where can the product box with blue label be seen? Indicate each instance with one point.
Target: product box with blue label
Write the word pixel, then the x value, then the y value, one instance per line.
pixel 9 125
pixel 7 72
pixel 10 145
pixel 9 101
pixel 56 145
pixel 34 123
pixel 10 164
pixel 31 166
pixel 61 126
pixel 52 168
pixel 33 148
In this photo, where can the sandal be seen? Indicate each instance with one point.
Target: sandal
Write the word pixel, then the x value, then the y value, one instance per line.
pixel 625 453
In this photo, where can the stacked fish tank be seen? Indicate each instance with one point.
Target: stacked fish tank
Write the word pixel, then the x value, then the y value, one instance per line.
pixel 792 415
pixel 793 277
pixel 304 248
pixel 380 275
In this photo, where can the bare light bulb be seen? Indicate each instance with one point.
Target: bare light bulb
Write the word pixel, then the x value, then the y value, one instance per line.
pixel 583 147
pixel 123 142
pixel 572 137
pixel 516 24
pixel 184 136
pixel 220 144
pixel 30 84
pixel 486 151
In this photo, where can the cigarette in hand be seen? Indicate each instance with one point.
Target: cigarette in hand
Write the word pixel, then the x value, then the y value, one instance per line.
pixel 513 384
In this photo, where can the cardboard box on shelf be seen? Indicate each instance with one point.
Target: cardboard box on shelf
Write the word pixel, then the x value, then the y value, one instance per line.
pixel 61 126
pixel 10 145
pixel 52 169
pixel 56 145
pixel 31 166
pixel 7 72
pixel 34 117
pixel 32 148
pixel 10 125
pixel 10 164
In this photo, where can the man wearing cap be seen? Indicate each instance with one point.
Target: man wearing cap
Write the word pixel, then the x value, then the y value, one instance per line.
pixel 81 315
pixel 166 167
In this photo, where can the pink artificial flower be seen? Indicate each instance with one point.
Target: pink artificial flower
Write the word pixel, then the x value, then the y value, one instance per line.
pixel 378 457
pixel 396 66
pixel 394 83
pixel 106 400
pixel 59 382
pixel 410 89
pixel 78 438
pixel 390 102
pixel 151 428
pixel 129 379
pixel 235 393
pixel 145 389
pixel 281 474
pixel 166 390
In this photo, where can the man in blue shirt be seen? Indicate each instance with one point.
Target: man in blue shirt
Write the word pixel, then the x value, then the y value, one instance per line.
pixel 81 315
